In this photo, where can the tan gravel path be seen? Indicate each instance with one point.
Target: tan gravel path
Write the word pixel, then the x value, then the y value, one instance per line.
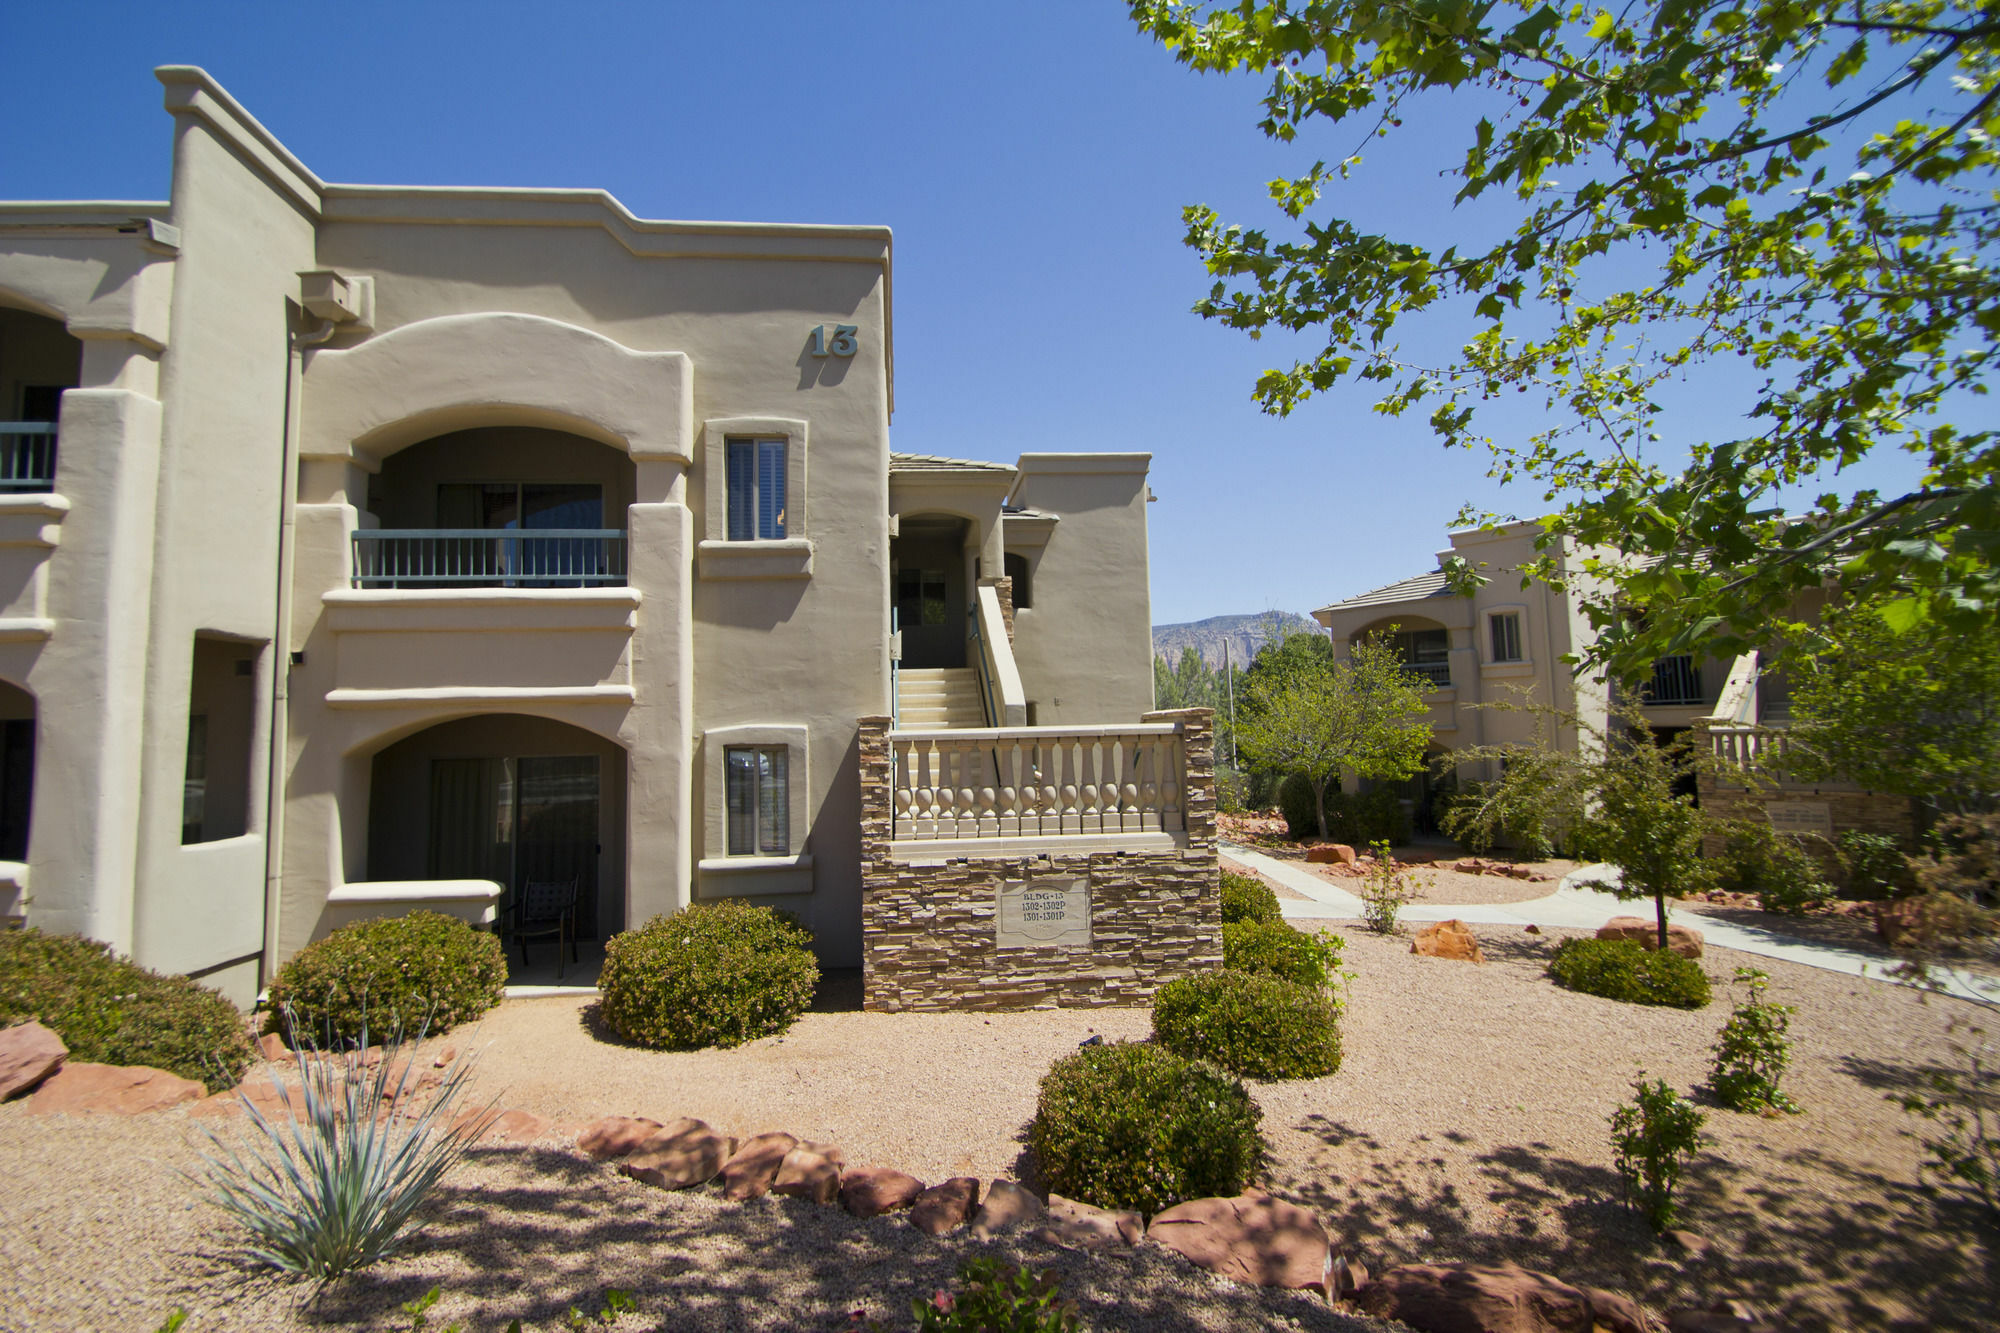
pixel 1468 1122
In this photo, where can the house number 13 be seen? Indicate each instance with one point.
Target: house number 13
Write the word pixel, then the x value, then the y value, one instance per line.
pixel 843 343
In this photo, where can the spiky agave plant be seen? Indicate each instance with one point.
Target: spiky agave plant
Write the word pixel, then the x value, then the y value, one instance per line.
pixel 331 1184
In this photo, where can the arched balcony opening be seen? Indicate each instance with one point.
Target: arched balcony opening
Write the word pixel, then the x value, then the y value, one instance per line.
pixel 498 507
pixel 1422 645
pixel 39 359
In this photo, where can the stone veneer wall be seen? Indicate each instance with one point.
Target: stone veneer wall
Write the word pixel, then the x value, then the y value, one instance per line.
pixel 928 928
pixel 1850 808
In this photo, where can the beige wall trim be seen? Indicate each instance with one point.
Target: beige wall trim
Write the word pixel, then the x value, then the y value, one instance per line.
pixel 716 432
pixel 791 558
pixel 482 610
pixel 754 876
pixel 454 372
pixel 451 696
pixel 937 852
pixel 796 739
pixel 26 629
pixel 190 91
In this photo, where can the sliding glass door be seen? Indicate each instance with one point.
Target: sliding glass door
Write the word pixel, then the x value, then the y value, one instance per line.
pixel 518 819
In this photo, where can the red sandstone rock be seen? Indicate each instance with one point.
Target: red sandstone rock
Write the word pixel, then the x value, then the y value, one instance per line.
pixel 82 1088
pixel 1007 1206
pixel 752 1171
pixel 1252 1238
pixel 1346 1277
pixel 1082 1226
pixel 684 1154
pixel 274 1101
pixel 1683 940
pixel 945 1207
pixel 445 1057
pixel 1476 1298
pixel 271 1046
pixel 1331 853
pixel 808 1173
pixel 615 1135
pixel 870 1191
pixel 1613 1313
pixel 1448 939
pixel 29 1053
pixel 517 1127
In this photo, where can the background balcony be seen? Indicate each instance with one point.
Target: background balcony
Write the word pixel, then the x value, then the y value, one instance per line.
pixel 1676 682
pixel 27 457
pixel 489 558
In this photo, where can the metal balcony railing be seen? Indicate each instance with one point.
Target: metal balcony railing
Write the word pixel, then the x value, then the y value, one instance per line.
pixel 1676 681
pixel 489 558
pixel 27 457
pixel 1436 674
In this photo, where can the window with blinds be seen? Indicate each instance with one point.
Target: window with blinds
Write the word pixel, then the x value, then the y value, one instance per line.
pixel 759 796
pixel 756 490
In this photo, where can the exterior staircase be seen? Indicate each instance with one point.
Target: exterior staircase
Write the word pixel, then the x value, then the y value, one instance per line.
pixel 938 698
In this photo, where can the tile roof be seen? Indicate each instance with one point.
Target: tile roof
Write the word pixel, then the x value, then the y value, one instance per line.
pixel 1415 589
pixel 901 462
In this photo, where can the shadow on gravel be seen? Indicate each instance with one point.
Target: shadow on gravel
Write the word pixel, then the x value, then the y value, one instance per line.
pixel 559 1231
pixel 1821 1260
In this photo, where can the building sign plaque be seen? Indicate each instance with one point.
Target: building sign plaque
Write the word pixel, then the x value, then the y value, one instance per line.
pixel 1802 817
pixel 1039 913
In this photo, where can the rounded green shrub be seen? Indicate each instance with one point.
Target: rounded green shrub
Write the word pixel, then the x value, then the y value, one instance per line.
pixel 1757 859
pixel 1132 1125
pixel 423 971
pixel 1277 949
pixel 1295 802
pixel 1259 1026
pixel 1629 971
pixel 109 1010
pixel 1247 898
pixel 714 974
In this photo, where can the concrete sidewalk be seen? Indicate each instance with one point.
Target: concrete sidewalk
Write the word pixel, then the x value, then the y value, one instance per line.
pixel 1575 907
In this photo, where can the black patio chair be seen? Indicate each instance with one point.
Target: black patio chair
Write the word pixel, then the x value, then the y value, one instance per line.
pixel 546 907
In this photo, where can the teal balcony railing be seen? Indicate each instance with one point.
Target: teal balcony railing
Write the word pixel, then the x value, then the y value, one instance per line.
pixel 489 558
pixel 27 457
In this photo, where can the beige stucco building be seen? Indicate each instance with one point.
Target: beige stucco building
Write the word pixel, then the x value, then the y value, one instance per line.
pixel 1505 644
pixel 364 547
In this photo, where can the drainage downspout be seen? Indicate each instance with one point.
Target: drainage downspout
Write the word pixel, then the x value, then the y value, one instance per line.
pixel 281 644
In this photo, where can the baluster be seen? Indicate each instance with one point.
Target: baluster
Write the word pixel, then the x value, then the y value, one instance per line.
pixel 1168 771
pixel 1128 792
pixel 923 772
pixel 968 796
pixel 1010 787
pixel 902 782
pixel 1072 760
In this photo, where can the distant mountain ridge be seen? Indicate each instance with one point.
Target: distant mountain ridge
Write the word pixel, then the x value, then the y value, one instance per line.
pixel 1243 634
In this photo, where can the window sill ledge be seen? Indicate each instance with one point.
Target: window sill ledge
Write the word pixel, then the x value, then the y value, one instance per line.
pixel 791 558
pixel 753 876
pixel 1522 667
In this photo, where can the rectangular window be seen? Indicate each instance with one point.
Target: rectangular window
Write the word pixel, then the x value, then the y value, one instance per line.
pixel 759 796
pixel 221 733
pixel 756 490
pixel 1506 632
pixel 194 787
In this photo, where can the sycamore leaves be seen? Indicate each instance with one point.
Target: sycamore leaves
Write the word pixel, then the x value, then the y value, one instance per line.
pixel 1799 190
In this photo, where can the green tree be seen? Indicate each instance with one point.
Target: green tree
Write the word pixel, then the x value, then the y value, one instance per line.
pixel 1917 713
pixel 1305 713
pixel 1802 187
pixel 1630 792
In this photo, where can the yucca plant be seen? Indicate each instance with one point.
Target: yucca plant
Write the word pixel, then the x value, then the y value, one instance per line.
pixel 331 1184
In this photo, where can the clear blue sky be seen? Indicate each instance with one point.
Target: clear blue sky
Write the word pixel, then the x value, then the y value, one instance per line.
pixel 1032 157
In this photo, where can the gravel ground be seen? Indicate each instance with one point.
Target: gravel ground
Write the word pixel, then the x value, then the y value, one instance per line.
pixel 1468 1122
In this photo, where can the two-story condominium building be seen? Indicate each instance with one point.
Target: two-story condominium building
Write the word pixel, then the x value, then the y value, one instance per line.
pixel 371 547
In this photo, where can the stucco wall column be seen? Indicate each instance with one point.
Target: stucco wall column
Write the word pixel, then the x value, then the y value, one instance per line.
pixel 659 730
pixel 90 680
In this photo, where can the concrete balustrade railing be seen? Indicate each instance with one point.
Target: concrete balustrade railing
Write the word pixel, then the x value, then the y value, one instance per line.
pixel 1745 746
pixel 1038 782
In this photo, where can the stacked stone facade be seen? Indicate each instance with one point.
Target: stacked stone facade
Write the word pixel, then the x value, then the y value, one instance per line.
pixel 1849 806
pixel 929 928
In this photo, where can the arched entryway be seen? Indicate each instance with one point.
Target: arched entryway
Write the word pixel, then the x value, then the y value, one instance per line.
pixel 508 798
pixel 17 770
pixel 931 588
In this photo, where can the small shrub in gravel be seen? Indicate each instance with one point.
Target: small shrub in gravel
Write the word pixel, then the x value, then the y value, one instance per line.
pixel 109 1010
pixel 1874 866
pixel 997 1297
pixel 1260 1026
pixel 1626 970
pixel 714 974
pixel 1784 877
pixel 1752 1051
pixel 1652 1140
pixel 1276 948
pixel 1247 898
pixel 1132 1125
pixel 398 974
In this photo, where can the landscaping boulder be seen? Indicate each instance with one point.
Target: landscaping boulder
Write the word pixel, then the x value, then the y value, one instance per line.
pixel 752 1171
pixel 1683 940
pixel 29 1053
pixel 1476 1298
pixel 1332 853
pixel 870 1191
pixel 1252 1238
pixel 1613 1313
pixel 274 1101
pixel 516 1127
pixel 1007 1206
pixel 1448 939
pixel 810 1171
pixel 1081 1226
pixel 945 1207
pixel 616 1135
pixel 271 1046
pixel 82 1088
pixel 684 1154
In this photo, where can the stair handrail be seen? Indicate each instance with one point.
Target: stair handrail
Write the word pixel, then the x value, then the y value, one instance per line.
pixel 1006 703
